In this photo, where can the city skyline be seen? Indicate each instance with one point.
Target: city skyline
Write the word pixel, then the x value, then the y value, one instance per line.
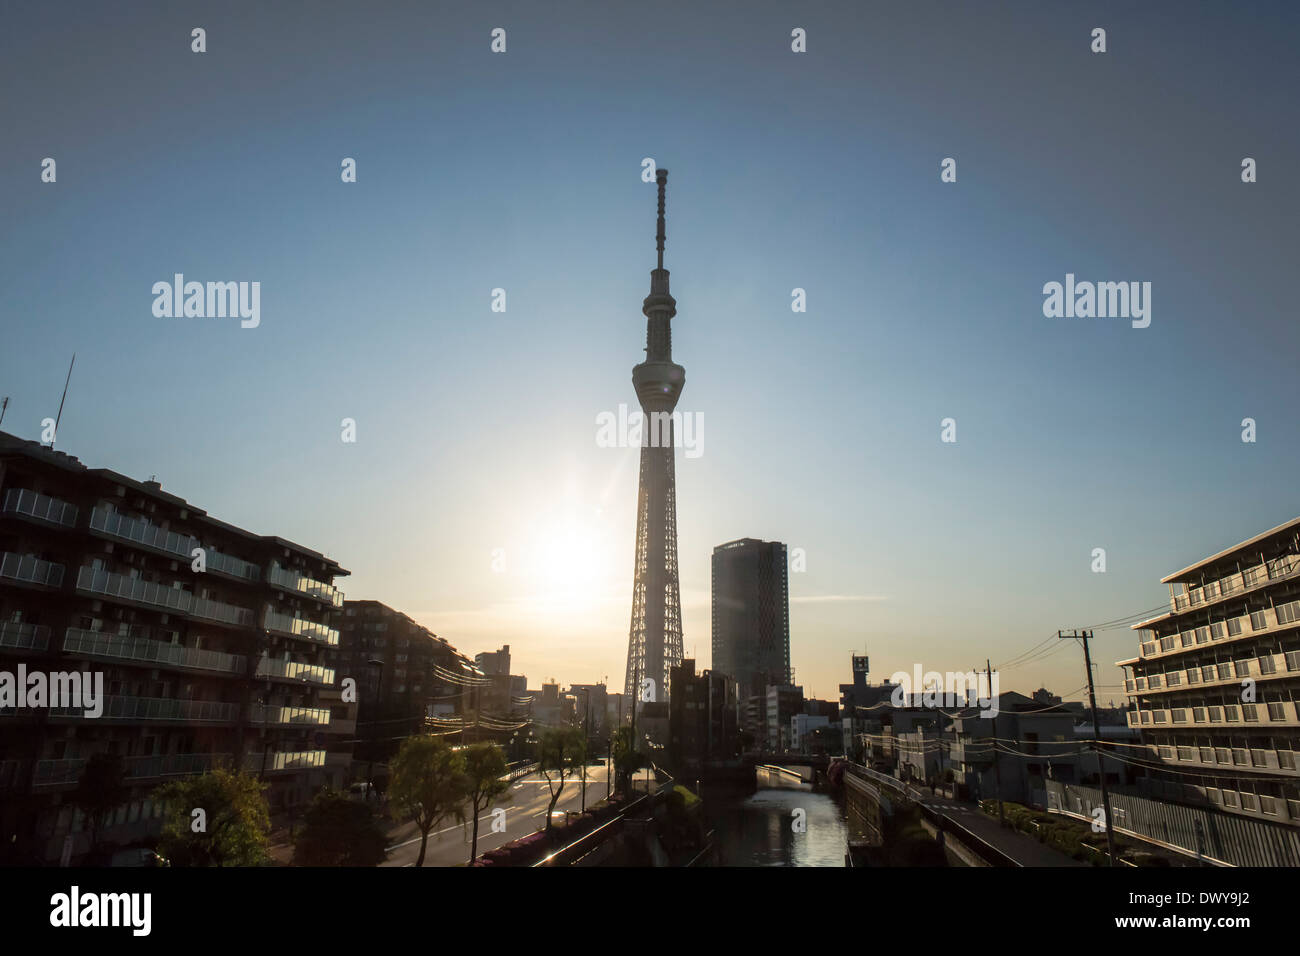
pixel 924 302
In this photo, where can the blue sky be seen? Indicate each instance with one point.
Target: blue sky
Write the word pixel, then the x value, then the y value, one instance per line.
pixel 476 430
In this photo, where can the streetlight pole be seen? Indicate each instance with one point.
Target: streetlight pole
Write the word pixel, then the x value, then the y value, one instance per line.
pixel 374 726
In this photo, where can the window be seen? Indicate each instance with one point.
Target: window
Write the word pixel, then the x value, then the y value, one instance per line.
pixel 1234 626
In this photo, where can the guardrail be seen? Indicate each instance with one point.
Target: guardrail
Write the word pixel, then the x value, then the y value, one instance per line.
pixel 585 844
pixel 937 817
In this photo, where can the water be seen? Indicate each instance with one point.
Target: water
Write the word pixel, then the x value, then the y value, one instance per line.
pixel 756 831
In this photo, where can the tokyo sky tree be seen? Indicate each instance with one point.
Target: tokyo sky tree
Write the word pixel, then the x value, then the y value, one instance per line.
pixel 654 643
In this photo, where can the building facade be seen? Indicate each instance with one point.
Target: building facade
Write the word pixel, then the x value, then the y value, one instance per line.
pixel 1216 682
pixel 751 614
pixel 211 643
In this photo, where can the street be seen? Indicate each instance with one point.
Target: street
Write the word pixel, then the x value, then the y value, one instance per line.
pixel 525 808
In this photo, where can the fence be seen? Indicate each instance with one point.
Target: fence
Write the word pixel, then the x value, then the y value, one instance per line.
pixel 1211 835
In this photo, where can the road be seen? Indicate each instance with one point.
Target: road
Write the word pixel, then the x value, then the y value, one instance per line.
pixel 525 813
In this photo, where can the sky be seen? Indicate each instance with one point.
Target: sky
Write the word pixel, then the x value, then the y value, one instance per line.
pixel 475 497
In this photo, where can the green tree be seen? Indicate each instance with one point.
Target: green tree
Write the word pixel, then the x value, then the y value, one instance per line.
pixel 427 784
pixel 100 791
pixel 626 759
pixel 560 751
pixel 233 828
pixel 338 831
pixel 485 781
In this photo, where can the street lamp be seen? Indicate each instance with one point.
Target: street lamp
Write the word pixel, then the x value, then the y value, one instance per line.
pixel 374 726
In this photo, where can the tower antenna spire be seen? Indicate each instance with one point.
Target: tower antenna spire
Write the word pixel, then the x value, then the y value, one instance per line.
pixel 661 177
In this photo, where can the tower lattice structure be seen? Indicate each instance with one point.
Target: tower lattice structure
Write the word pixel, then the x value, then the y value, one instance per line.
pixel 654 643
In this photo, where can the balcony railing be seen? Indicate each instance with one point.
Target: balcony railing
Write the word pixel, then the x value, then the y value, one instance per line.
pixel 24 637
pixel 99 644
pixel 159 708
pixel 235 567
pixel 54 773
pixel 295 670
pixel 111 584
pixel 296 581
pixel 1272 713
pixel 290 716
pixel 41 507
pixel 224 613
pixel 299 627
pixel 273 762
pixel 139 531
pixel 30 569
pixel 1278 569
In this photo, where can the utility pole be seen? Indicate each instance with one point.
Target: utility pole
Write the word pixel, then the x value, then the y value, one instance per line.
pixel 1086 636
pixel 993 742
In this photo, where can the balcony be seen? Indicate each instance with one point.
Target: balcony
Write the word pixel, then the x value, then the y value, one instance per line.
pixel 146 709
pixel 1233 716
pixel 141 532
pixel 235 567
pixel 1232 585
pixel 29 504
pixel 65 772
pixel 281 762
pixel 1218 674
pixel 79 641
pixel 294 670
pixel 290 716
pixel 29 569
pixel 222 613
pixel 297 583
pixel 294 626
pixel 24 637
pixel 1227 631
pixel 111 584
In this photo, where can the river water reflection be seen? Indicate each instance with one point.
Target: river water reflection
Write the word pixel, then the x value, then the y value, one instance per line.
pixel 757 830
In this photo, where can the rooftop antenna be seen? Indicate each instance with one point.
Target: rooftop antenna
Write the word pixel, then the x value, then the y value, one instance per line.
pixel 661 177
pixel 59 417
pixel 3 405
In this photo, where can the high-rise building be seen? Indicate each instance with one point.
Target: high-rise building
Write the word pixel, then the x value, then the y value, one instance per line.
pixel 654 643
pixel 751 615
pixel 211 643
pixel 1216 680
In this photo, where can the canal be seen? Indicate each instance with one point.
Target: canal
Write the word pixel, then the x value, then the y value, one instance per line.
pixel 760 829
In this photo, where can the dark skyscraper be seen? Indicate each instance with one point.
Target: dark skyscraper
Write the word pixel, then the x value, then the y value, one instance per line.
pixel 751 614
pixel 654 644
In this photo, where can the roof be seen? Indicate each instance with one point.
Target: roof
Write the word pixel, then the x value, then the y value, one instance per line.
pixel 12 444
pixel 1178 576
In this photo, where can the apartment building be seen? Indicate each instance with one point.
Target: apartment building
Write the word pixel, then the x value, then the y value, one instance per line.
pixel 1217 677
pixel 404 672
pixel 211 641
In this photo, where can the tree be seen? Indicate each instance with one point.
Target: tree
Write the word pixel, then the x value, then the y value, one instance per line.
pixel 626 759
pixel 561 750
pixel 219 818
pixel 100 791
pixel 427 784
pixel 485 780
pixel 338 831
